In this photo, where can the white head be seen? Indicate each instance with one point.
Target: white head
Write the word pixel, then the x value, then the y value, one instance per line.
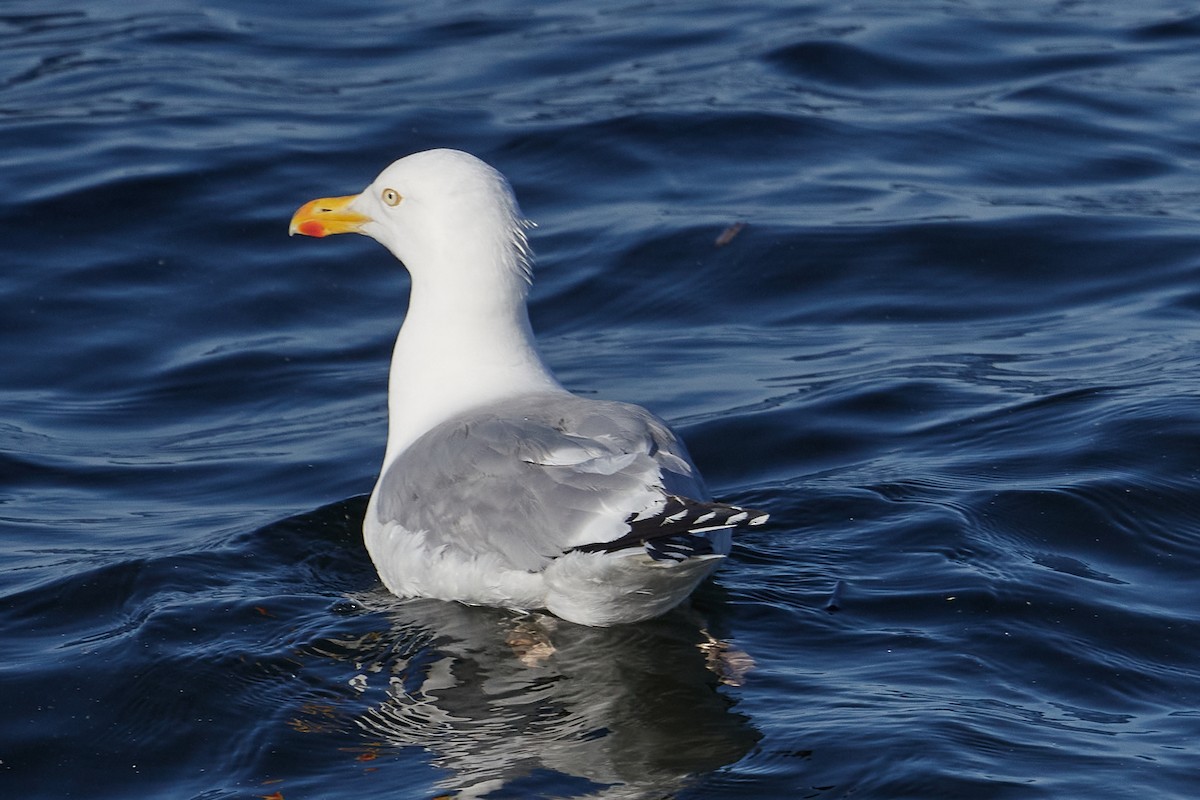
pixel 466 337
pixel 437 211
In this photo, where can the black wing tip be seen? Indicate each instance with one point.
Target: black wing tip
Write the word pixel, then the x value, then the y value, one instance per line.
pixel 679 516
pixel 698 515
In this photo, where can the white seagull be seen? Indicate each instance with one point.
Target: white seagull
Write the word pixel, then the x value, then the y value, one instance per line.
pixel 499 487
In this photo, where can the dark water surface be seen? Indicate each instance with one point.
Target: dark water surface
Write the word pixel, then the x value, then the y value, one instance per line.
pixel 955 351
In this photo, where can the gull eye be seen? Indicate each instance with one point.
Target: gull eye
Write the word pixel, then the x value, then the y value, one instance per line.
pixel 391 197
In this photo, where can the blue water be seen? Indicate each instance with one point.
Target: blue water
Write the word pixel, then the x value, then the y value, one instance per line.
pixel 955 351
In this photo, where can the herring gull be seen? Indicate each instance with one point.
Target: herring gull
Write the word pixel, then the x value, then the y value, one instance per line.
pixel 499 487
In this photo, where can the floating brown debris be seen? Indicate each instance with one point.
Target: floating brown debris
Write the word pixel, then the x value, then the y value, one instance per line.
pixel 728 234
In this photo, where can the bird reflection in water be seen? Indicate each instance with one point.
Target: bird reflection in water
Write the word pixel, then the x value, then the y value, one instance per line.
pixel 504 700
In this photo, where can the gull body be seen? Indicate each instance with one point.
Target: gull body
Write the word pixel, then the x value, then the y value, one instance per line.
pixel 498 486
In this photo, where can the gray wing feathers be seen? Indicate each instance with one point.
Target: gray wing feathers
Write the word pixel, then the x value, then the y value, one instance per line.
pixel 534 476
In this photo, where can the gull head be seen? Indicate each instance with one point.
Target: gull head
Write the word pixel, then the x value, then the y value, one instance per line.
pixel 438 211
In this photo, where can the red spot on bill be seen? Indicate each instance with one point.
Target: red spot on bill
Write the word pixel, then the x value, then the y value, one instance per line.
pixel 312 228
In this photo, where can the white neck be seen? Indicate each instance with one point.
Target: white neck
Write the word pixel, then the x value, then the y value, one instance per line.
pixel 460 347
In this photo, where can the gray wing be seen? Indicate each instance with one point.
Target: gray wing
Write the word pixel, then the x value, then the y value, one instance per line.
pixel 533 477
